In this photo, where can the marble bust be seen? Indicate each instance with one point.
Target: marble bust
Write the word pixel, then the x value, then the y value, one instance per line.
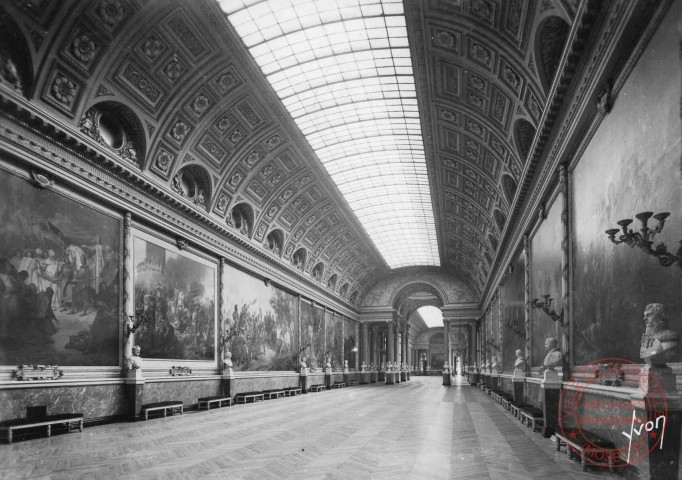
pixel 227 360
pixel 304 367
pixel 134 361
pixel 657 340
pixel 520 363
pixel 494 366
pixel 554 357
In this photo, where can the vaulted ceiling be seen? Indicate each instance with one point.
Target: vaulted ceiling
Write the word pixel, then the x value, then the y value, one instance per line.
pixel 203 124
pixel 483 69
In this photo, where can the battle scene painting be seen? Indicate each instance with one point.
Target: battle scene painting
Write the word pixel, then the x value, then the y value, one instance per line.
pixel 334 340
pixel 264 319
pixel 350 344
pixel 59 278
pixel 175 292
pixel 546 280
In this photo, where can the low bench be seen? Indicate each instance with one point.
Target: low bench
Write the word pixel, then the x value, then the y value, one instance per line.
pixel 246 396
pixel 72 421
pixel 171 406
pixel 317 388
pixel 339 385
pixel 532 417
pixel 292 391
pixel 217 400
pixel 354 383
pixel 591 443
pixel 270 394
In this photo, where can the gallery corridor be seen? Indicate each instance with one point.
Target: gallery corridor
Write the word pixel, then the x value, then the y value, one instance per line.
pixel 418 430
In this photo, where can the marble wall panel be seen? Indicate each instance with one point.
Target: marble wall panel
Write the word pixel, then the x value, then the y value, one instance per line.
pixel 186 391
pixel 93 401
pixel 259 384
pixel 533 394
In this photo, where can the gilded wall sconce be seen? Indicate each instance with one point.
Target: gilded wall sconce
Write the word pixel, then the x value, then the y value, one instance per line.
pixel 644 239
pixel 546 307
pixel 514 326
pixel 229 334
pixel 303 346
pixel 135 322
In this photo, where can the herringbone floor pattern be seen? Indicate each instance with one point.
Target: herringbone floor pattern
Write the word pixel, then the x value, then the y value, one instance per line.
pixel 415 430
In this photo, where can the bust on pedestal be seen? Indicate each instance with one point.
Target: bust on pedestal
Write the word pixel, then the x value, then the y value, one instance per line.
pixel 554 358
pixel 363 367
pixel 135 363
pixel 227 363
pixel 519 364
pixel 657 386
pixel 345 366
pixel 303 367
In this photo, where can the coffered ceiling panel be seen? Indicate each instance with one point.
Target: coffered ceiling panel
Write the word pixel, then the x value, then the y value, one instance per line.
pixel 481 95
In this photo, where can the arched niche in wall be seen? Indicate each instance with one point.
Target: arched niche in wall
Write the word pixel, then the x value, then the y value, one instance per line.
pixel 299 257
pixel 318 271
pixel 550 40
pixel 343 291
pixel 274 241
pixel 193 183
pixel 509 188
pixel 353 297
pixel 241 218
pixel 500 219
pixel 16 64
pixel 118 128
pixel 524 133
pixel 331 283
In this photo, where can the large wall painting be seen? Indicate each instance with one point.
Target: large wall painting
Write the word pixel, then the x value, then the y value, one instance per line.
pixel 334 340
pixel 318 335
pixel 59 278
pixel 618 177
pixel 267 320
pixel 513 312
pixel 350 343
pixel 546 280
pixel 177 292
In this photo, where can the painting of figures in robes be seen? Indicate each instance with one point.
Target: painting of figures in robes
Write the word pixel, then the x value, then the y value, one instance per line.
pixel 266 319
pixel 175 292
pixel 59 278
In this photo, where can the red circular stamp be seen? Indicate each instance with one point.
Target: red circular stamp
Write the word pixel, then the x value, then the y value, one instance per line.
pixel 610 428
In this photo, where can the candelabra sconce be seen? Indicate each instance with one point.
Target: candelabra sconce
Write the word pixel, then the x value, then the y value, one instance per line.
pixel 546 307
pixel 303 346
pixel 229 335
pixel 514 326
pixel 644 239
pixel 135 322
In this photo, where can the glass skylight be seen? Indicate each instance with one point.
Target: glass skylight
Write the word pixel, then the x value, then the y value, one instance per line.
pixel 342 69
pixel 432 316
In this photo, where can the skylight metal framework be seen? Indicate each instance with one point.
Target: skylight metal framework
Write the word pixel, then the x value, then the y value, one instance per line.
pixel 342 69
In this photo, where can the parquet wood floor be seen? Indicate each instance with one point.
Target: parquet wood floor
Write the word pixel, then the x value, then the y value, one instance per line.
pixel 414 430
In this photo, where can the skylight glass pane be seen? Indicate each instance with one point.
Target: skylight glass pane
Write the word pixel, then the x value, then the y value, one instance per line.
pixel 342 69
pixel 432 316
